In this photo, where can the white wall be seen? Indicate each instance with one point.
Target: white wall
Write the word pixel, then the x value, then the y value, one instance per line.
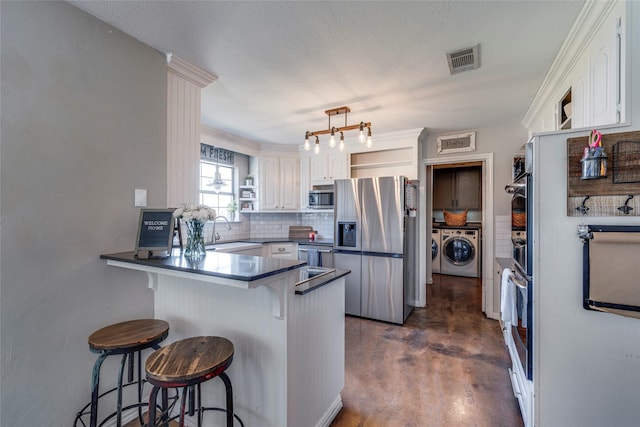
pixel 83 125
pixel 587 363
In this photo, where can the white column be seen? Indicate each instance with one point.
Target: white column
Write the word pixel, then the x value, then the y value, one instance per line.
pixel 184 84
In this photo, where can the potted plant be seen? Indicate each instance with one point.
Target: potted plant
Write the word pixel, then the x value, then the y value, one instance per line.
pixel 248 180
pixel 232 207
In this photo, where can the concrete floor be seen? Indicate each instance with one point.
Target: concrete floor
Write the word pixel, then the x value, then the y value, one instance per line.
pixel 447 366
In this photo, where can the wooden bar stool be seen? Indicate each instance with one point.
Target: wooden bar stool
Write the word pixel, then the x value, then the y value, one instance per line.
pixel 187 364
pixel 125 338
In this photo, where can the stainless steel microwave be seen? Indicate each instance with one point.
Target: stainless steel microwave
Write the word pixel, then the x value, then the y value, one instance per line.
pixel 321 199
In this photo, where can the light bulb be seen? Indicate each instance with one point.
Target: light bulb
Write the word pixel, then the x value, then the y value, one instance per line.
pixel 316 149
pixel 341 141
pixel 361 135
pixel 369 140
pixel 332 140
pixel 306 145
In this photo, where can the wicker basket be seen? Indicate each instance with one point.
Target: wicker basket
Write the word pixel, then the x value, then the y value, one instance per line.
pixel 518 219
pixel 456 219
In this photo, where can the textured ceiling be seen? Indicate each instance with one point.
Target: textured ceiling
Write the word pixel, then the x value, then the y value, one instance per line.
pixel 281 64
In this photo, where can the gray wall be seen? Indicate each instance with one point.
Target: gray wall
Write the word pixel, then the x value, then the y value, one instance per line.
pixel 83 125
pixel 503 142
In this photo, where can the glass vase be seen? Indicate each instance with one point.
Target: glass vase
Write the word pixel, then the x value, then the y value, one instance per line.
pixel 195 239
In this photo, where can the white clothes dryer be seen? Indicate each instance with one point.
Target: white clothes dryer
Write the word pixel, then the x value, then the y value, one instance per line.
pixel 460 253
pixel 435 250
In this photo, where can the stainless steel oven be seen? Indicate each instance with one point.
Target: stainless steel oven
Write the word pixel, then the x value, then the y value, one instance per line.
pixel 522 238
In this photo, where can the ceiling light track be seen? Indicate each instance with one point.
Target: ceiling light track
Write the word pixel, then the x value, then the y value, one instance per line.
pixel 339 130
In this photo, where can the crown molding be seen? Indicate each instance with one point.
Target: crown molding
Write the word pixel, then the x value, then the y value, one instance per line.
pixel 220 138
pixel 190 72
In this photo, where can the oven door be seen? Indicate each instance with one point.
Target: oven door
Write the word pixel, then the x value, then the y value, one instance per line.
pixel 519 220
pixel 521 327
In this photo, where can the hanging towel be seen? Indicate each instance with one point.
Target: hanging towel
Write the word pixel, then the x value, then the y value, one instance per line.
pixel 508 299
pixel 522 306
pixel 313 258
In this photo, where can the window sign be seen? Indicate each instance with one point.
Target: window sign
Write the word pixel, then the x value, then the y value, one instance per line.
pixel 216 154
pixel 155 232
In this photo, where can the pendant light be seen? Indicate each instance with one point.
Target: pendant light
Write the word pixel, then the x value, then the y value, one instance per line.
pixel 333 130
pixel 217 183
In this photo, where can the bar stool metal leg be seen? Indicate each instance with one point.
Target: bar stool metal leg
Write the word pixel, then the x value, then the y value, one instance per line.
pixel 95 385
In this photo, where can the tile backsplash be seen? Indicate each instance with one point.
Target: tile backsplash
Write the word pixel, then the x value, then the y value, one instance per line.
pixel 271 225
pixel 504 248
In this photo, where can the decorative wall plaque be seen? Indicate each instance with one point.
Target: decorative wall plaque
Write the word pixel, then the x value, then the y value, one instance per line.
pixel 457 143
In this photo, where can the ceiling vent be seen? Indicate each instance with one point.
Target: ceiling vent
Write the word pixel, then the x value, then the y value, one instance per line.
pixel 463 59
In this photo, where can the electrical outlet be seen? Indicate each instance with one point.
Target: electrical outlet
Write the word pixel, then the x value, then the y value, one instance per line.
pixel 140 198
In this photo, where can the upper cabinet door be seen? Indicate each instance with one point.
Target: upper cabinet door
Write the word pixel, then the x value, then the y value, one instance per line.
pixel 338 166
pixel 326 168
pixel 269 183
pixel 469 188
pixel 318 168
pixel 289 185
pixel 604 72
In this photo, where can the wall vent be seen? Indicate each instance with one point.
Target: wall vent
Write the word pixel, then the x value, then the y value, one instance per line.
pixel 463 59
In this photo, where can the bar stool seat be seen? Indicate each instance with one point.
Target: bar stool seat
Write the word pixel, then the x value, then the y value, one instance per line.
pixel 125 338
pixel 187 364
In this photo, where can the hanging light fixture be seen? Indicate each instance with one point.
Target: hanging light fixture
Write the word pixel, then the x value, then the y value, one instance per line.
pixel 317 147
pixel 333 130
pixel 217 182
pixel 306 141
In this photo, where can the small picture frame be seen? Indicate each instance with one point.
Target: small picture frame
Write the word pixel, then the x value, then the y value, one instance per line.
pixel 155 233
pixel 456 143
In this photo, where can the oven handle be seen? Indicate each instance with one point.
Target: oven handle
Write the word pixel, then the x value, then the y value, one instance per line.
pixel 515 188
pixel 520 282
pixel 323 251
pixel 518 243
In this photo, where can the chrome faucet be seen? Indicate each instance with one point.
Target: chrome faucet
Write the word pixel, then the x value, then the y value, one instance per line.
pixel 216 236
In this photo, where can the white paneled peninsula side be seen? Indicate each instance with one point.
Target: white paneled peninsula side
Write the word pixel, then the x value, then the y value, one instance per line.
pixel 287 329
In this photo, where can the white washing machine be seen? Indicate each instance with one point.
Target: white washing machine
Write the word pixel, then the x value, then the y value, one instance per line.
pixel 435 250
pixel 460 253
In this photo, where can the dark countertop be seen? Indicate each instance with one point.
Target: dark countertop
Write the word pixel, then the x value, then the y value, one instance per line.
pixel 468 226
pixel 308 285
pixel 245 268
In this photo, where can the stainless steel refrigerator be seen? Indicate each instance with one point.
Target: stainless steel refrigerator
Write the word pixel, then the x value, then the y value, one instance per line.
pixel 375 239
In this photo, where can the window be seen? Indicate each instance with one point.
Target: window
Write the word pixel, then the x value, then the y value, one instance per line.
pixel 217 201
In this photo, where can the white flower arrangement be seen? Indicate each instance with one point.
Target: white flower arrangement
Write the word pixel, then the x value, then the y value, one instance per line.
pixel 189 211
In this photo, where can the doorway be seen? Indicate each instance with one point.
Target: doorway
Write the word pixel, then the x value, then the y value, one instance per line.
pixel 487 230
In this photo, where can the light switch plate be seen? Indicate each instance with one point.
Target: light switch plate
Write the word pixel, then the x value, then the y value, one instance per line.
pixel 140 198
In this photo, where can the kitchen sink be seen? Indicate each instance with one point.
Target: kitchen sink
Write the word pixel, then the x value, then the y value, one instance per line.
pixel 307 273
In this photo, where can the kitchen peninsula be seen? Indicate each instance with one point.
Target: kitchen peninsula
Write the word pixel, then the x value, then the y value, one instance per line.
pixel 287 327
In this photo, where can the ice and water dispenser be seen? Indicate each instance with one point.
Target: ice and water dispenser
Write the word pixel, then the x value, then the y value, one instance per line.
pixel 347 234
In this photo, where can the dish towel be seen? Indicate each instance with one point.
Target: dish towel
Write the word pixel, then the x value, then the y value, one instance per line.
pixel 508 307
pixel 313 258
pixel 522 306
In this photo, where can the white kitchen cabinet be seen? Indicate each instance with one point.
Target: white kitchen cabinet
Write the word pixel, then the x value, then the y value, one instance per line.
pixel 279 186
pixel 305 183
pixel 325 168
pixel 604 60
pixel 591 68
pixel 281 250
